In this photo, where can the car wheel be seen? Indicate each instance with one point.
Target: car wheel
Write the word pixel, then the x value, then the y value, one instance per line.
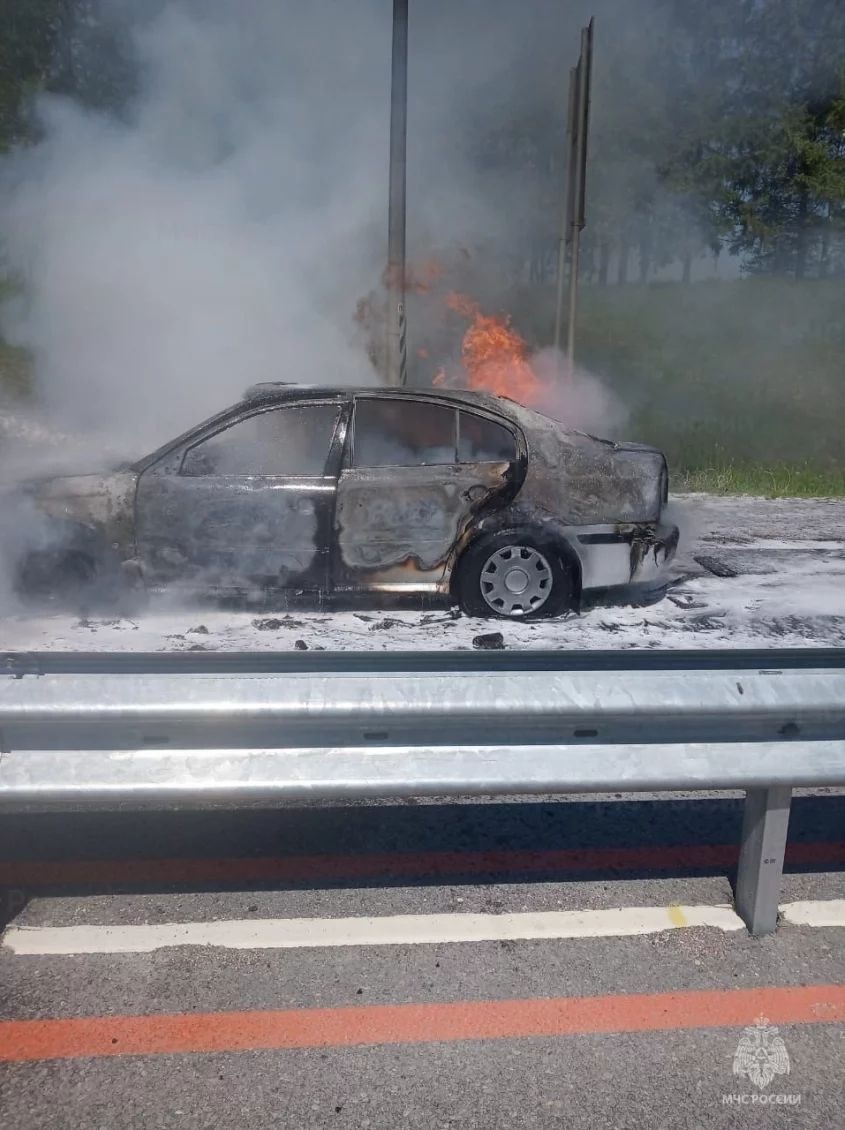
pixel 515 577
pixel 51 575
pixel 71 580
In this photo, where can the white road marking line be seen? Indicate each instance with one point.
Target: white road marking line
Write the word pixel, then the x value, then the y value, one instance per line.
pixel 402 929
pixel 816 912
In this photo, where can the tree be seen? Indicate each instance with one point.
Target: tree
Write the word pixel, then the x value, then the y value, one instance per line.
pixel 73 47
pixel 776 163
pixel 28 31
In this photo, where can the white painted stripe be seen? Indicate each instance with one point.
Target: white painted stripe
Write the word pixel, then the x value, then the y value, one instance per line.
pixel 402 929
pixel 827 912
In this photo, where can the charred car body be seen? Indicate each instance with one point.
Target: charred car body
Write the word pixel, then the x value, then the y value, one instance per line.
pixel 364 492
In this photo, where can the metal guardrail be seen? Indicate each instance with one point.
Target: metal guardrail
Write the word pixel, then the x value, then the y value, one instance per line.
pixel 205 728
pixel 299 662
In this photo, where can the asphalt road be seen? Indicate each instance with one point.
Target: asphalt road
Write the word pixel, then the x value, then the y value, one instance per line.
pixel 562 981
pixel 628 1030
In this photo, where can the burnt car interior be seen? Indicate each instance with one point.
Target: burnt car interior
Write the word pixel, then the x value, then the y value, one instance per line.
pixel 285 441
pixel 407 433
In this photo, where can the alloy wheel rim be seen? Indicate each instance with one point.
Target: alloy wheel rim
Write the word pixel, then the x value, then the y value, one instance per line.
pixel 516 580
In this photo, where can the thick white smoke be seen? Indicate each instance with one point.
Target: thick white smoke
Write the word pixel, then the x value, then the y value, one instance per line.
pixel 578 399
pixel 219 230
pixel 214 238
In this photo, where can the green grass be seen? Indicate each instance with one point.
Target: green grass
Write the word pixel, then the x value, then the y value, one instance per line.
pixel 765 482
pixel 15 371
pixel 15 364
pixel 740 383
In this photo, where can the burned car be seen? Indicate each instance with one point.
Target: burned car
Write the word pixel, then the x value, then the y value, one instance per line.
pixel 461 496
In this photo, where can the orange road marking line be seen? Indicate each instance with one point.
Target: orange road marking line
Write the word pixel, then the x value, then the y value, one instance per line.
pixel 27 1040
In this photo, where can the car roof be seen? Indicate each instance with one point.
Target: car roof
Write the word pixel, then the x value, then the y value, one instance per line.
pixel 284 390
pixel 280 391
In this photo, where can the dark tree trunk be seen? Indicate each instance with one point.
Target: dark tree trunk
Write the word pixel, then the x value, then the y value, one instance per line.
pixel 824 255
pixel 589 262
pixel 645 260
pixel 604 261
pixel 801 245
pixel 624 251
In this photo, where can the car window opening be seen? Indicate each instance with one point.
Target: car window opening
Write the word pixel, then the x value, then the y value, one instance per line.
pixel 405 433
pixel 483 441
pixel 282 442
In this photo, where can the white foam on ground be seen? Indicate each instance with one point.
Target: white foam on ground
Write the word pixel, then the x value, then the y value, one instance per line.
pixel 801 604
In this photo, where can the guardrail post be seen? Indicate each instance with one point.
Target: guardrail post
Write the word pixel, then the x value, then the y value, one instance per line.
pixel 761 855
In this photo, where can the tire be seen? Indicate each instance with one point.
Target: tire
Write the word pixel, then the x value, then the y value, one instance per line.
pixel 60 576
pixel 514 575
pixel 72 580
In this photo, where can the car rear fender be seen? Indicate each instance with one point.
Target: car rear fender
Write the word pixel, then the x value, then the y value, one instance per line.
pixel 540 530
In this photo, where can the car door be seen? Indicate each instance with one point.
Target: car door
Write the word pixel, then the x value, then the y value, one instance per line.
pixel 404 497
pixel 249 503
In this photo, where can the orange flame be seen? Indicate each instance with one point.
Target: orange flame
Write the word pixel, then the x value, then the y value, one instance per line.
pixel 494 356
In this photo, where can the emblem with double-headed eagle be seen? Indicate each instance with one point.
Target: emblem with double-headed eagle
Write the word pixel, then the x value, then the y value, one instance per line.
pixel 761 1054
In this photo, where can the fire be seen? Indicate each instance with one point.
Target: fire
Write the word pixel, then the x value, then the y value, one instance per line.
pixel 494 355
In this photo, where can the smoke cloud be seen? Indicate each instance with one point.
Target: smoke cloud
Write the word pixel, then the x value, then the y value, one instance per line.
pixel 213 237
pixel 217 229
pixel 577 399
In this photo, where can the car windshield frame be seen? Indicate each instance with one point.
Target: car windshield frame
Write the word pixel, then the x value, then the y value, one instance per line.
pixel 232 415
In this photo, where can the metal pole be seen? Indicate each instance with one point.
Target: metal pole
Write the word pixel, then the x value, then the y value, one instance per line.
pixel 764 829
pixel 396 359
pixel 566 210
pixel 579 186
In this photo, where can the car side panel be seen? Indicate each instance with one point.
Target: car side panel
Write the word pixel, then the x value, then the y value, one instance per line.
pixel 604 556
pixel 219 533
pixel 228 534
pixel 401 526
